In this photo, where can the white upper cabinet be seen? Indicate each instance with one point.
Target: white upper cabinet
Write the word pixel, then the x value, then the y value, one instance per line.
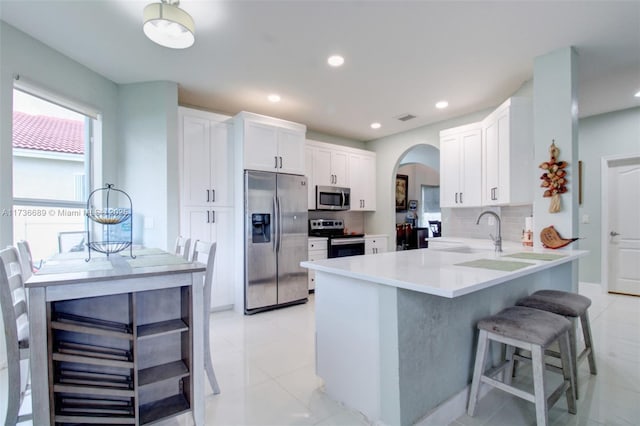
pixel 461 166
pixel 330 165
pixel 206 159
pixel 341 166
pixel 271 144
pixel 362 175
pixel 508 154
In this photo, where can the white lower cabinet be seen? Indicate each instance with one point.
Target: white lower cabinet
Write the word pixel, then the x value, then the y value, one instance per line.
pixel 317 251
pixel 214 225
pixel 374 244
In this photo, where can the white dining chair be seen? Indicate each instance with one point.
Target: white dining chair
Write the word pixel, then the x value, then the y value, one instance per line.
pixel 13 304
pixel 182 246
pixel 26 259
pixel 205 252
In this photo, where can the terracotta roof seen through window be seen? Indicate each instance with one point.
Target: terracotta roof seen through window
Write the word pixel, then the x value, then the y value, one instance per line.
pixel 44 133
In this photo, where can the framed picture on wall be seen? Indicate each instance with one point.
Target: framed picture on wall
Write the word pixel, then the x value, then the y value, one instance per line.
pixel 402 186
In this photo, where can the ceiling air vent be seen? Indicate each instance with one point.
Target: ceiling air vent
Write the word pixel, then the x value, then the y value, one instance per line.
pixel 406 117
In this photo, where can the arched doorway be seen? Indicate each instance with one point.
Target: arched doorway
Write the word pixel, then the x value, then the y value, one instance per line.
pixel 417 200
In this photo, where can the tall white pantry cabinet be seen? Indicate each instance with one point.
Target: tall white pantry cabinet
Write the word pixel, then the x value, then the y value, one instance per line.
pixel 206 192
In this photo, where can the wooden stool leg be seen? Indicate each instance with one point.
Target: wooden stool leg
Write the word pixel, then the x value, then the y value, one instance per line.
pixel 568 368
pixel 537 361
pixel 574 353
pixel 509 371
pixel 588 341
pixel 478 369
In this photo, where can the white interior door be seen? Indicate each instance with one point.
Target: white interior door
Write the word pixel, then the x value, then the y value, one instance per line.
pixel 624 226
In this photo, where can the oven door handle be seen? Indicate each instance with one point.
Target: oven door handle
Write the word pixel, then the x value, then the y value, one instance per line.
pixel 346 241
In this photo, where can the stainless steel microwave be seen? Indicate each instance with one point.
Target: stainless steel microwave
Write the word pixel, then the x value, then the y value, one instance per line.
pixel 332 198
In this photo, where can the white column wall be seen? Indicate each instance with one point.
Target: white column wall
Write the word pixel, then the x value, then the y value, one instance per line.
pixel 555 115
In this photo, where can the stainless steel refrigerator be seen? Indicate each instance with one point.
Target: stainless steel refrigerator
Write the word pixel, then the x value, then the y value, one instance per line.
pixel 276 228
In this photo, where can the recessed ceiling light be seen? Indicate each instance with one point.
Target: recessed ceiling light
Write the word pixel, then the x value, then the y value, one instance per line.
pixel 442 104
pixel 274 98
pixel 637 95
pixel 375 125
pixel 335 60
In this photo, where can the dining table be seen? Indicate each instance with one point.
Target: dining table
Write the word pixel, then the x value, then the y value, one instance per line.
pixel 116 339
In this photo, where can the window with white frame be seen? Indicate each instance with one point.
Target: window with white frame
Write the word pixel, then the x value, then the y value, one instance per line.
pixel 51 170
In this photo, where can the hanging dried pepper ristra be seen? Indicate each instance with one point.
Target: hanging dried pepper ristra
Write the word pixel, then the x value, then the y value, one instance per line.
pixel 554 178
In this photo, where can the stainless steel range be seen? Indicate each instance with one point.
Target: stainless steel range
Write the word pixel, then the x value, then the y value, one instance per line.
pixel 339 244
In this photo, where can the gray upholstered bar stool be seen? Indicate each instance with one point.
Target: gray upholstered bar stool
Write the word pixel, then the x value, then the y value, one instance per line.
pixel 532 330
pixel 570 306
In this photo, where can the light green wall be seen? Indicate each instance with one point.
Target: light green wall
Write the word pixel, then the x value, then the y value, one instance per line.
pixel 148 158
pixel 33 61
pixel 138 129
pixel 323 137
pixel 604 135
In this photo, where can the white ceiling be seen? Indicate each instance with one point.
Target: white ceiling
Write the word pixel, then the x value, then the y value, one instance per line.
pixel 401 56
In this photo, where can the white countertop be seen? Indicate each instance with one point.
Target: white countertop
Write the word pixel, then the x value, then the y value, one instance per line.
pixel 434 271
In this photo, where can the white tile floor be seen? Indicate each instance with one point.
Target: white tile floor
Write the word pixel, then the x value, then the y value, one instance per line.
pixel 265 368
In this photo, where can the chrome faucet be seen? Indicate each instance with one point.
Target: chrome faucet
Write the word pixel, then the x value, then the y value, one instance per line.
pixel 497 241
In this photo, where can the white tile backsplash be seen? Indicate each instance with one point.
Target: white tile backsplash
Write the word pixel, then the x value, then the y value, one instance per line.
pixel 457 222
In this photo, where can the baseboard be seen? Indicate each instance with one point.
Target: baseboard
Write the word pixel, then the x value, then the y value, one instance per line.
pixel 456 406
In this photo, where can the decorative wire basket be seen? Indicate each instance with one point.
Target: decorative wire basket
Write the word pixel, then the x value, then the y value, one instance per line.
pixel 108 216
pixel 113 217
pixel 108 247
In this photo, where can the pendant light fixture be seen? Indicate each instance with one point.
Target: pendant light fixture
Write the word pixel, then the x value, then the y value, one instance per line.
pixel 168 25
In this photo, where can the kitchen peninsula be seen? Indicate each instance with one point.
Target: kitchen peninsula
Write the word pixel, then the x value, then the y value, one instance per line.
pixel 396 332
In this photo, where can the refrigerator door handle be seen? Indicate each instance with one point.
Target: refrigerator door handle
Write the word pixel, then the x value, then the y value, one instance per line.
pixel 279 229
pixel 276 225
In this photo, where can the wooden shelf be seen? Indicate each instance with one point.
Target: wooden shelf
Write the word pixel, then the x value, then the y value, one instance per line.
pixel 91 360
pixel 80 324
pixel 161 328
pixel 92 390
pixel 163 408
pixel 104 420
pixel 96 374
pixel 94 410
pixel 89 378
pixel 158 373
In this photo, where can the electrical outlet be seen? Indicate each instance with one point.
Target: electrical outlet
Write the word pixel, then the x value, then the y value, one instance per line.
pixel 585 218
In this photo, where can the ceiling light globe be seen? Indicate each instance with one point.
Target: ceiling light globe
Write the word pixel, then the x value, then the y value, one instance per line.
pixel 442 104
pixel 375 125
pixel 274 98
pixel 168 26
pixel 637 95
pixel 335 60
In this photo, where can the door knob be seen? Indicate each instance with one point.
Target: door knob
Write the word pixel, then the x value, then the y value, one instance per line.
pixel 613 233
